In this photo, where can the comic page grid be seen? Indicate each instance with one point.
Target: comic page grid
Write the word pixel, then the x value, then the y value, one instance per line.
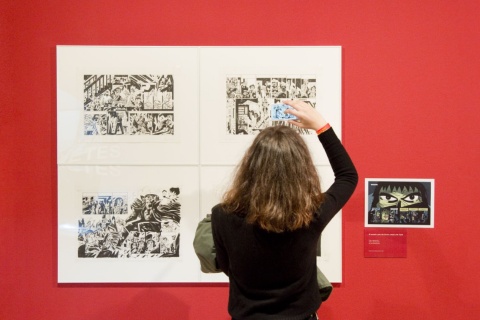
pixel 126 104
pixel 127 224
pixel 252 101
pixel 142 102
pixel 394 203
pixel 214 181
pixel 245 95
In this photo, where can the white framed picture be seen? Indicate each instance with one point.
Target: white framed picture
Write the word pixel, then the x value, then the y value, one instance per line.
pixel 239 86
pixel 127 105
pixel 127 224
pixel 140 129
pixel 399 203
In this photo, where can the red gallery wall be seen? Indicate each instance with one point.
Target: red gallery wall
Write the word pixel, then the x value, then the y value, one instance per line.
pixel 411 96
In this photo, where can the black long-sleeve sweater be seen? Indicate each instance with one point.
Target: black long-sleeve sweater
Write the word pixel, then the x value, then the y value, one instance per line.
pixel 273 275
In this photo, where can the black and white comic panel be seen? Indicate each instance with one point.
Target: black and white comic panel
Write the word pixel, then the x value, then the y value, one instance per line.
pixel 250 100
pixel 128 104
pixel 114 226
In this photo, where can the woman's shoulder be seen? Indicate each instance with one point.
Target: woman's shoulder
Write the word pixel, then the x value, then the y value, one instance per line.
pixel 220 213
pixel 218 209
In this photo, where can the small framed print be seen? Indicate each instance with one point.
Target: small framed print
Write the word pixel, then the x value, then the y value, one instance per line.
pixel 238 86
pixel 127 105
pixel 127 224
pixel 405 203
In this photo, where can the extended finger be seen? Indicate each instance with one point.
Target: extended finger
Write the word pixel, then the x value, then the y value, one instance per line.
pixel 298 104
pixel 292 103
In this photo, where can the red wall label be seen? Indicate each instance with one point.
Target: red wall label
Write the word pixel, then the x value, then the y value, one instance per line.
pixel 385 243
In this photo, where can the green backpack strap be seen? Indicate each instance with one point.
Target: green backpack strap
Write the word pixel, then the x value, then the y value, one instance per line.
pixel 324 285
pixel 204 246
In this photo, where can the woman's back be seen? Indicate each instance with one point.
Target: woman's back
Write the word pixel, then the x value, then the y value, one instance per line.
pixel 266 230
pixel 270 273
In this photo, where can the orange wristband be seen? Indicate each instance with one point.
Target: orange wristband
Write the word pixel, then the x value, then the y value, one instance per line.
pixel 323 129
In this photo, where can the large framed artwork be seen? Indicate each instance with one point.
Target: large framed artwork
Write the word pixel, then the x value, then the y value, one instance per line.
pixel 147 142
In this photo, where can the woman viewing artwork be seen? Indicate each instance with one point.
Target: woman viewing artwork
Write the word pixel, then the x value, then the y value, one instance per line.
pixel 269 222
